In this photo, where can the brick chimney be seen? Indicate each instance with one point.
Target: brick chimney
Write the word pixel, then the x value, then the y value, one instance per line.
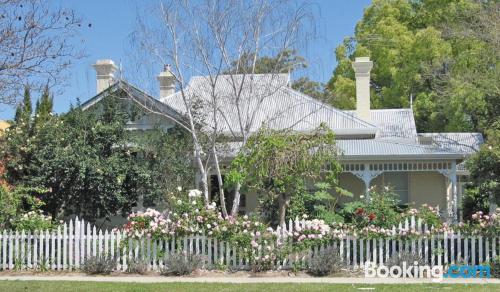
pixel 362 67
pixel 105 70
pixel 167 82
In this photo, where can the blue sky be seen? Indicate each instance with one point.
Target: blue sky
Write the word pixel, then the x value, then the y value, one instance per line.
pixel 113 21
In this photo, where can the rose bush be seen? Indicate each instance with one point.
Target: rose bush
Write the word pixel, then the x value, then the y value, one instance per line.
pixel 34 220
pixel 482 224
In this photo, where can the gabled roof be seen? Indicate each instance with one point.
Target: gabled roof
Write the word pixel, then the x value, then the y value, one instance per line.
pixel 264 99
pixel 393 123
pixel 141 98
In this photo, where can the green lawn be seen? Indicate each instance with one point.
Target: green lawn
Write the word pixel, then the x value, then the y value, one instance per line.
pixel 11 286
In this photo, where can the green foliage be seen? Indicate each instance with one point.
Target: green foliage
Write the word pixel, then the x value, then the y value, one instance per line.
pixel 16 202
pixel 275 164
pixel 89 162
pixel 474 201
pixel 380 209
pixel 180 264
pixel 495 266
pixel 99 265
pixel 428 214
pixel 443 53
pixel 484 167
pixel 33 220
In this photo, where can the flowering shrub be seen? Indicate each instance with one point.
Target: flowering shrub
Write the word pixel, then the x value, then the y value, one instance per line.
pixel 150 224
pixel 482 224
pixel 380 210
pixel 312 232
pixel 261 244
pixel 428 214
pixel 33 220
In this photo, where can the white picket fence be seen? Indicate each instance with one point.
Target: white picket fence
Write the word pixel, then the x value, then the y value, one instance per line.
pixel 69 246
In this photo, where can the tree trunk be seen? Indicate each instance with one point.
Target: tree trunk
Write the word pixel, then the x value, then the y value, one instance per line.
pixel 236 200
pixel 222 197
pixel 284 202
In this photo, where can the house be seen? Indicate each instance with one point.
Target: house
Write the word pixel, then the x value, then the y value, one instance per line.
pixel 379 146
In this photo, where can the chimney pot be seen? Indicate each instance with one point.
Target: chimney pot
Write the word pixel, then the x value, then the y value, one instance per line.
pixel 105 71
pixel 167 82
pixel 362 67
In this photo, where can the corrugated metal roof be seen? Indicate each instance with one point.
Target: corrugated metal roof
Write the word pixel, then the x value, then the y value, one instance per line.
pixel 463 142
pixel 392 149
pixel 373 149
pixel 264 99
pixel 393 123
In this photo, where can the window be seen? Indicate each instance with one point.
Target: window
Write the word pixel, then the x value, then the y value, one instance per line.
pixel 397 181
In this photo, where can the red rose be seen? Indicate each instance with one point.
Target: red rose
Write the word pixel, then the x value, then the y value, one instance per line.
pixel 372 217
pixel 360 211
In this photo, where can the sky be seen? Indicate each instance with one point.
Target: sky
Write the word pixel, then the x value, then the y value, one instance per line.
pixel 112 22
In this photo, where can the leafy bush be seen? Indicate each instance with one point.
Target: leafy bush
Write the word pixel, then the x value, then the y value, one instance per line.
pixel 33 220
pixel 482 224
pixel 428 214
pixel 380 210
pixel 101 264
pixel 495 266
pixel 15 201
pixel 137 266
pixel 326 263
pixel 178 264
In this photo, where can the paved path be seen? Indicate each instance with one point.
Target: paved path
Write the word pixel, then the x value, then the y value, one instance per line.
pixel 159 279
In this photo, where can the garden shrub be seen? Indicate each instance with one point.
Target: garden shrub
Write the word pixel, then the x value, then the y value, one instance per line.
pixel 326 263
pixel 495 266
pixel 180 263
pixel 380 210
pixel 99 265
pixel 33 220
pixel 20 209
pixel 482 224
pixel 137 266
pixel 428 214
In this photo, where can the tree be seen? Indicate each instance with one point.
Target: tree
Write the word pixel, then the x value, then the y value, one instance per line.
pixel 439 53
pixel 35 45
pixel 276 164
pixel 215 38
pixel 484 167
pixel 285 61
pixel 91 165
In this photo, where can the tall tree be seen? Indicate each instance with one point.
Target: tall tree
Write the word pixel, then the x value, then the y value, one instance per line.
pixel 36 45
pixel 422 50
pixel 214 38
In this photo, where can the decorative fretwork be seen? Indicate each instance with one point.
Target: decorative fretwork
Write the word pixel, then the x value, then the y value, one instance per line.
pixel 439 166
